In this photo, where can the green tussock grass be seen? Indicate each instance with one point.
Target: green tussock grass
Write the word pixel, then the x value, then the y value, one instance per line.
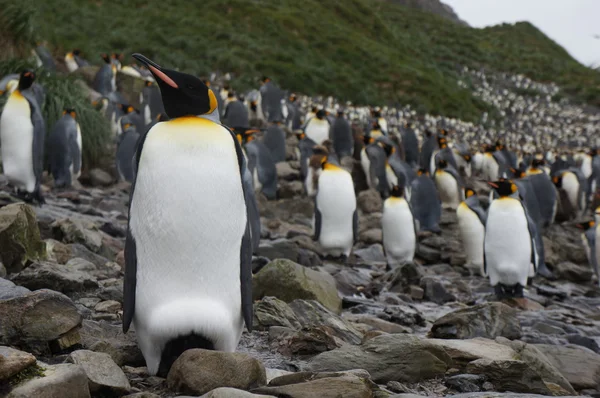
pixel 367 51
pixel 65 91
pixel 17 32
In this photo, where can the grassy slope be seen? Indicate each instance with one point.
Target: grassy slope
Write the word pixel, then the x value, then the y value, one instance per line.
pixel 367 51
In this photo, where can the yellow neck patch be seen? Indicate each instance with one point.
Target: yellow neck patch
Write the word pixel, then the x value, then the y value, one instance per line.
pixel 213 101
pixel 332 167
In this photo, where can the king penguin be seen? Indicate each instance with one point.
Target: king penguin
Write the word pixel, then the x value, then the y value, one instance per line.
pixel 588 238
pixel 274 139
pixel 341 133
pixel 426 203
pixel 398 227
pixel 336 217
pixel 449 185
pixel 22 134
pixel 509 243
pixel 471 222
pixel 188 250
pixel 126 150
pixel 317 128
pixel 260 164
pixel 65 146
pixel 105 81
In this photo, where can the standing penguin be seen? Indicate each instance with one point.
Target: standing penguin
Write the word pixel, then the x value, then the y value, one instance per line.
pixel 449 185
pixel 22 134
pixel 341 134
pixel 188 284
pixel 236 114
pixel 471 221
pixel 126 151
pixel 105 81
pixel 411 145
pixel 150 102
pixel 317 128
pixel 336 218
pixel 74 61
pixel 425 202
pixel 65 146
pixel 509 244
pixel 260 164
pixel 588 238
pixel 398 227
pixel 304 151
pixel 274 139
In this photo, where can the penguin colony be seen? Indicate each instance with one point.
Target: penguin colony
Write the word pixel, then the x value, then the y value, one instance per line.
pixel 197 154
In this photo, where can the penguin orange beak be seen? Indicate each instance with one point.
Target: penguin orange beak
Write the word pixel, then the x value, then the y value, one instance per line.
pixel 493 185
pixel 155 69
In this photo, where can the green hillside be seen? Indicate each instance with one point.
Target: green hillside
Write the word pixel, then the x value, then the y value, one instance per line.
pixel 367 51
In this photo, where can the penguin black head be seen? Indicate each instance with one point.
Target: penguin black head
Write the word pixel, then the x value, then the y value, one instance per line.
pixel 340 113
pixel 367 139
pixel 467 158
pixel 517 173
pixel 489 148
pixel 422 172
pixel 537 163
pixel 76 52
pixel 230 94
pixel 442 142
pixel 388 148
pixel 443 132
pixel 300 135
pixel 320 114
pixel 376 114
pixel 442 164
pixel 320 150
pixel 557 180
pixel 504 187
pixel 127 109
pixel 397 191
pixel 469 192
pixel 106 58
pixel 292 97
pixel 587 225
pixel 182 94
pixel 70 111
pixel 26 79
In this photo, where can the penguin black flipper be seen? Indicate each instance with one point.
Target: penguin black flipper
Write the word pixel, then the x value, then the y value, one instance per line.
pixel 39 135
pixel 317 221
pixel 532 236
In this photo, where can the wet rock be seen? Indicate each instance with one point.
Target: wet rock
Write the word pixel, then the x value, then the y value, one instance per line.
pixel 199 371
pixel 103 374
pixel 288 281
pixel 344 386
pixel 271 311
pixel 369 201
pixel 488 320
pixel 286 172
pixel 63 278
pixel 376 323
pixel 13 361
pixel 103 337
pixel 58 252
pixel 352 280
pixel 509 375
pixel 573 272
pixel 109 306
pixel 465 382
pixel 428 254
pixel 400 279
pixel 76 231
pixel 9 290
pixel 370 236
pixel 225 392
pixel 64 380
pixel 373 253
pixel 277 249
pixel 580 366
pixel 20 241
pixel 99 178
pixel 395 357
pixel 42 321
pixel 435 290
pixel 309 341
pixel 311 313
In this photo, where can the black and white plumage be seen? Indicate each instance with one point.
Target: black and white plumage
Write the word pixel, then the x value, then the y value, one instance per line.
pixel 65 146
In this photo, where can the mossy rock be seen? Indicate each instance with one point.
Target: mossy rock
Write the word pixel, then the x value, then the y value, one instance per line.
pixel 20 241
pixel 289 281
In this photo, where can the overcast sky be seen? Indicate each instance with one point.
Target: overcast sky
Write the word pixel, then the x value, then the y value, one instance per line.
pixel 571 23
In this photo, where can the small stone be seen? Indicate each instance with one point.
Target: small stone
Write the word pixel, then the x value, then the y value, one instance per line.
pixel 13 361
pixel 64 381
pixel 63 278
pixel 290 189
pixel 271 311
pixel 435 290
pixel 369 201
pixel 9 290
pixel 58 251
pixel 100 178
pixel 102 372
pixel 416 292
pixel 20 241
pixel 226 392
pixel 465 382
pixel 279 249
pixel 142 395
pixel 76 231
pixel 199 371
pixel 109 306
pixel 347 386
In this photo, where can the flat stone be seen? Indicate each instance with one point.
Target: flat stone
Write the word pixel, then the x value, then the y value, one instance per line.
pixel 102 372
pixel 20 241
pixel 59 277
pixel 64 381
pixel 344 386
pixel 579 365
pixel 110 306
pixel 9 290
pixel 509 375
pixel 77 231
pixel 13 361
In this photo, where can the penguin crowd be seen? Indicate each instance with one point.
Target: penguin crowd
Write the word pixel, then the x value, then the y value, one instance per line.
pixel 197 155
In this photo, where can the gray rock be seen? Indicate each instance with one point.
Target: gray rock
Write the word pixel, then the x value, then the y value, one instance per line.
pixel 102 372
pixel 376 323
pixel 199 371
pixel 369 201
pixel 100 178
pixel 20 241
pixel 225 392
pixel 309 341
pixel 301 377
pixel 370 236
pixel 428 254
pixel 63 278
pixel 271 311
pixel 352 281
pixel 278 249
pixel 64 381
pixel 13 361
pixel 465 382
pixel 347 386
pixel 274 373
pixel 42 321
pixel 509 375
pixel 464 351
pixel 435 290
pixel 488 320
pixel 77 231
pixel 57 251
pixel 498 395
pixel 286 172
pixel 110 339
pixel 289 189
pixel 312 314
pixel 142 395
pixel 580 366
pixel 110 306
pixel 2 271
pixel 371 253
pixel 545 328
pixel 573 272
pixel 289 281
pixel 9 290
pixel 400 279
pixel 395 357
pixel 80 251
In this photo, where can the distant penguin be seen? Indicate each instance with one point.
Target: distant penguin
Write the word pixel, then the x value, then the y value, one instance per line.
pixel 449 185
pixel 425 202
pixel 74 61
pixel 546 195
pixel 588 238
pixel 304 151
pixel 574 186
pixel 271 96
pixel 429 144
pixel 274 139
pixel 151 102
pixel 44 58
pixel 260 164
pixel 471 222
pixel 22 134
pixel 65 148
pixel 126 152
pixel 254 105
pixel 9 83
pixel 317 128
pixel 105 81
pixel 491 164
pixel 236 114
pixel 188 284
pixel 133 115
pixel 398 227
pixel 509 244
pixel 341 134
pixel 336 217
pixel 536 167
pixel 294 118
pixel 315 167
pixel 374 163
pixel 442 153
pixel 411 145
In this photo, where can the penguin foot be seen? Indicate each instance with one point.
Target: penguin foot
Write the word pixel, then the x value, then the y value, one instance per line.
pixel 518 291
pixel 174 348
pixel 499 290
pixel 545 272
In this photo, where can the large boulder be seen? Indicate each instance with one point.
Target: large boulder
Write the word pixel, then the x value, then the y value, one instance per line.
pixel 488 320
pixel 573 272
pixel 13 361
pixel 347 386
pixel 289 281
pixel 509 375
pixel 9 290
pixel 20 241
pixel 395 357
pixel 42 321
pixel 579 365
pixel 312 314
pixel 103 374
pixel 59 277
pixel 64 381
pixel 199 371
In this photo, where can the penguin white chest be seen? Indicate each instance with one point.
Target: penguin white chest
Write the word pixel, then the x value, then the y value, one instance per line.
pixel 448 189
pixel 71 63
pixel 75 174
pixel 391 176
pixel 507 243
pixel 336 202
pixel 490 167
pixel 366 166
pixel 16 135
pixel 317 130
pixel 399 239
pixel 570 184
pixel 472 232
pixel 188 217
